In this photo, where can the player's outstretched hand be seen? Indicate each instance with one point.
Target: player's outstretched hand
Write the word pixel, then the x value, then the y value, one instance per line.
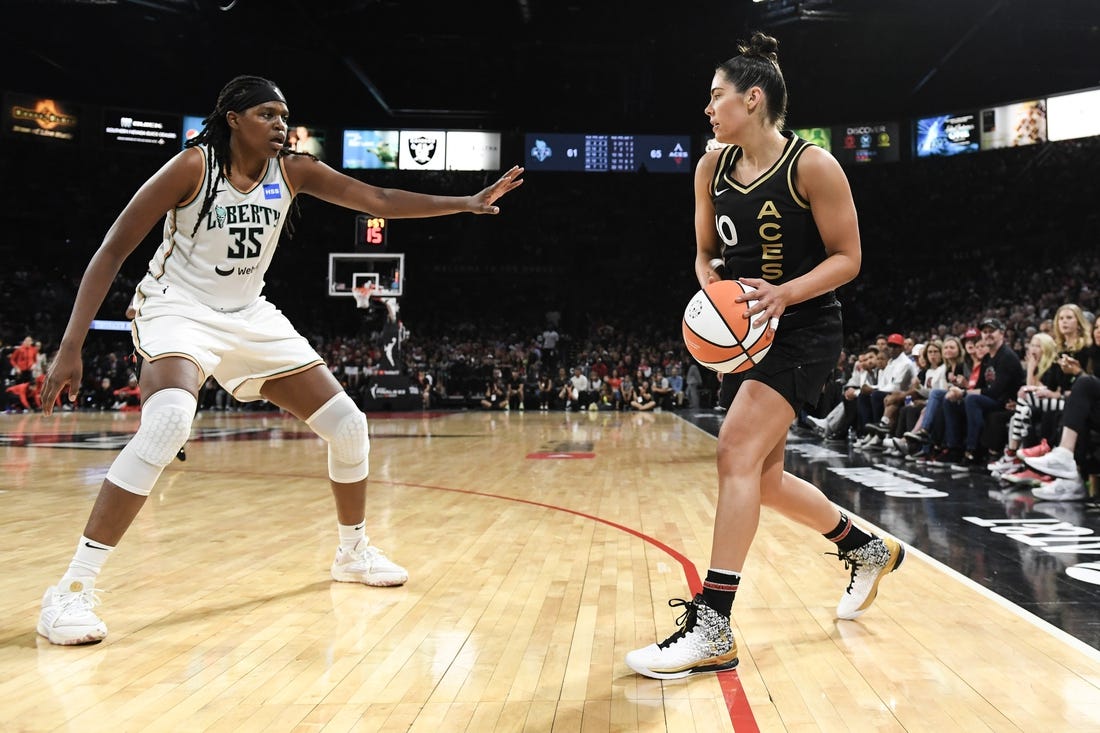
pixel 483 201
pixel 65 369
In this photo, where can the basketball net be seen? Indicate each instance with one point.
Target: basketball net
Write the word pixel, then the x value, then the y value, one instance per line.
pixel 363 295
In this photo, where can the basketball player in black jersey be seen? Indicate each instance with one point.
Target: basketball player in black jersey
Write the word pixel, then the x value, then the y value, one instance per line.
pixel 776 213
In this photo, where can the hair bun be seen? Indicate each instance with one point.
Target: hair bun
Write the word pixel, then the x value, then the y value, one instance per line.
pixel 763 45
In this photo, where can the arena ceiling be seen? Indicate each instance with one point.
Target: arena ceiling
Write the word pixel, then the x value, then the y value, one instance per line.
pixel 569 65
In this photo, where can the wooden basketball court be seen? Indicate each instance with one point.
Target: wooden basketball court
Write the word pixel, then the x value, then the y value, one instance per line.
pixel 541 548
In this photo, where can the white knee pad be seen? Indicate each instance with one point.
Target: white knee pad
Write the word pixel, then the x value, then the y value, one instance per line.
pixel 165 426
pixel 344 427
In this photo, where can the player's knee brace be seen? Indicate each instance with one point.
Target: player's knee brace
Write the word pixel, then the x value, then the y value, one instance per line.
pixel 344 427
pixel 165 426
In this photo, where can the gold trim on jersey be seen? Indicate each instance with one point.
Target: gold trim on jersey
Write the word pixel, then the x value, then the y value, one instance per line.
pixel 720 166
pixel 728 161
pixel 171 220
pixel 149 358
pixel 790 174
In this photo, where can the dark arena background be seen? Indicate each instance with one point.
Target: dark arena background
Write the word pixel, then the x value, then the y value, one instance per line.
pixel 970 134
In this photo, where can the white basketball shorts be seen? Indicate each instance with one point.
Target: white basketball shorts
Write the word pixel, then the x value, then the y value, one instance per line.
pixel 242 349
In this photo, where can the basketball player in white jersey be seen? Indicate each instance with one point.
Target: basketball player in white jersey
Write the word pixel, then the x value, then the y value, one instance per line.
pixel 199 312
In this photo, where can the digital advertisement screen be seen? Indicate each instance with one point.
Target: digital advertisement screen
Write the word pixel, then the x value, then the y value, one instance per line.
pixel 422 150
pixel 192 126
pixel 370 149
pixel 50 119
pixel 125 128
pixel 946 135
pixel 869 143
pixel 1012 125
pixel 306 139
pixel 473 150
pixel 1073 115
pixel 819 136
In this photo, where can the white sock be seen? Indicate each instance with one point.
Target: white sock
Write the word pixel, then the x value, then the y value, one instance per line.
pixel 86 564
pixel 350 534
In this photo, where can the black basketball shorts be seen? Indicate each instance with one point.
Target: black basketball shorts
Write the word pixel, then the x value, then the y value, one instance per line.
pixel 802 357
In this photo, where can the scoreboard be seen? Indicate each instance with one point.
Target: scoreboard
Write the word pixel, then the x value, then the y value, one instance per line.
pixel 579 152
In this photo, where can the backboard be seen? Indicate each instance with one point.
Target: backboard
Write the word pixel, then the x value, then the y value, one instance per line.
pixel 347 270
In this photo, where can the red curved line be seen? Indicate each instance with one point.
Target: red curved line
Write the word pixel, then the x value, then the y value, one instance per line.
pixel 737 705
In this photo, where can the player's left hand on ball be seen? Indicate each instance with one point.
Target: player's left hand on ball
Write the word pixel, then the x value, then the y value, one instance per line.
pixel 770 303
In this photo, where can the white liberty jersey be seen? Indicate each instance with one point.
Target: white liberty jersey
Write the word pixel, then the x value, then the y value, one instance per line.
pixel 224 264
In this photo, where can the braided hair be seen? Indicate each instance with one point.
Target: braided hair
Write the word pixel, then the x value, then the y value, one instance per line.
pixel 216 133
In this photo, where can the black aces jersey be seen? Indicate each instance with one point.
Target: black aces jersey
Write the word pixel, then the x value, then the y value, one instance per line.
pixel 767 230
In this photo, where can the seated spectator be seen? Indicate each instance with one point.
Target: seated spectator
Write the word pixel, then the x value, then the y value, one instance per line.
pixel 1082 415
pixel 22 397
pixel 607 398
pixel 23 360
pixel 864 407
pixel 100 397
pixel 959 372
pixel 627 394
pixel 1042 394
pixel 676 384
pixel 546 391
pixel 888 393
pixel 660 389
pixel 1072 332
pixel 426 383
pixel 591 396
pixel 1001 376
pixel 495 396
pixel 930 370
pixel 835 425
pixel 643 398
pixel 128 398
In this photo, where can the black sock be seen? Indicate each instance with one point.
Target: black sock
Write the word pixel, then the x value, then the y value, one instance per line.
pixel 847 535
pixel 719 589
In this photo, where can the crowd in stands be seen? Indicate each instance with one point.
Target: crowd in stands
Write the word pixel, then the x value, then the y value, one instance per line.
pixel 973 404
pixel 572 297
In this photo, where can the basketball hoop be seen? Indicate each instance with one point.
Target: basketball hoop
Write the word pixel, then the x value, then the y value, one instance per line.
pixel 363 295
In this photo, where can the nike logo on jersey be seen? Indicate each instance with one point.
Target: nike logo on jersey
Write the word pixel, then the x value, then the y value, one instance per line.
pixel 227 273
pixel 720 192
pixel 95 547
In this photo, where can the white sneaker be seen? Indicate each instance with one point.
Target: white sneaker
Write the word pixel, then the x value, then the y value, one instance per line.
pixel 895 447
pixel 1061 489
pixel 868 564
pixel 821 425
pixel 1058 463
pixel 67 617
pixel 704 643
pixel 865 440
pixel 1005 464
pixel 367 564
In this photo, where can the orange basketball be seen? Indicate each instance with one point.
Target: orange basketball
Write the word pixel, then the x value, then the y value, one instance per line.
pixel 718 335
